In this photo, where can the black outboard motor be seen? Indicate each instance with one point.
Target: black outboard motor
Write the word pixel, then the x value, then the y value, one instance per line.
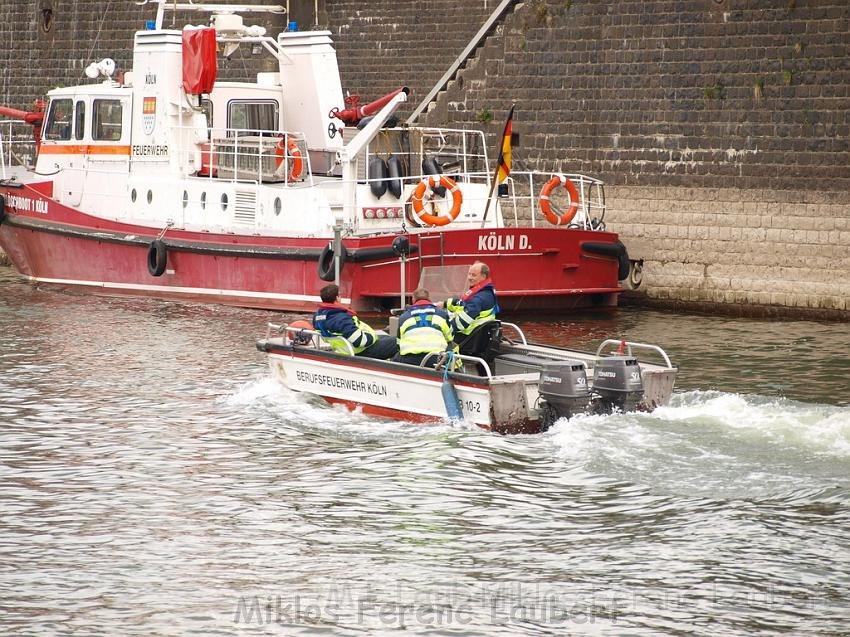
pixel 563 391
pixel 618 383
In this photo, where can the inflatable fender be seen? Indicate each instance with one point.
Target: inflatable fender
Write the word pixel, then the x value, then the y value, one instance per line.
pixel 157 257
pixel 430 166
pixel 325 267
pixel 378 173
pixel 2 208
pixel 396 172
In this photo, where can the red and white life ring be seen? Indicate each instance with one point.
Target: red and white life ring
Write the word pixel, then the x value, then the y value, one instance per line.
pixel 425 189
pixel 554 217
pixel 291 151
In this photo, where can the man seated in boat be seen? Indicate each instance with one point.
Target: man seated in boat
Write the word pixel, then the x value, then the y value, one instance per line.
pixel 475 308
pixel 339 325
pixel 423 328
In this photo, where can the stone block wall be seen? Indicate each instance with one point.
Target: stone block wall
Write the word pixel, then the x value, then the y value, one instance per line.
pixel 721 127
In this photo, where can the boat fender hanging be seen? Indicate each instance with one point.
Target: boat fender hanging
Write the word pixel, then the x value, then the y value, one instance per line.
pixel 2 208
pixel 426 188
pixel 401 246
pixel 325 267
pixel 614 250
pixel 396 173
pixel 430 166
pixel 289 150
pixel 157 257
pixel 624 265
pixel 378 174
pixel 554 217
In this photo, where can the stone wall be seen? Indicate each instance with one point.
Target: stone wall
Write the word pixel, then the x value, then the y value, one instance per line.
pixel 721 127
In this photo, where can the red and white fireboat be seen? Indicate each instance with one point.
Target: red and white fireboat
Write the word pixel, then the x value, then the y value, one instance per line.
pixel 165 182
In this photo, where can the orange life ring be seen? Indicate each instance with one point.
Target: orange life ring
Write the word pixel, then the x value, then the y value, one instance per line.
pixel 296 164
pixel 426 187
pixel 546 208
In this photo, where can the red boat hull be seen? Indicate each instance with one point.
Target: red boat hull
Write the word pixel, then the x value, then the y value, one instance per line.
pixel 534 268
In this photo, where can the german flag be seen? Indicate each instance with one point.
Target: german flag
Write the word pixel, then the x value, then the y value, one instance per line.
pixel 505 149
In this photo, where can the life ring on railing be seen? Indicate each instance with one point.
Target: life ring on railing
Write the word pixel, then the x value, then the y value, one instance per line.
pixel 426 187
pixel 546 207
pixel 296 163
pixel 325 267
pixel 157 257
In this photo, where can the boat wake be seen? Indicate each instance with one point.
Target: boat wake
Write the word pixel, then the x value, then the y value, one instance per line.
pixel 712 443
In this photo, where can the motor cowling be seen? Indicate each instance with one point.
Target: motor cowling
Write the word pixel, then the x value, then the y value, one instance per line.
pixel 563 391
pixel 618 383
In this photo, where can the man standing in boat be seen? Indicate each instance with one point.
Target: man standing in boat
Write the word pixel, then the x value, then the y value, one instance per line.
pixel 339 325
pixel 423 328
pixel 475 308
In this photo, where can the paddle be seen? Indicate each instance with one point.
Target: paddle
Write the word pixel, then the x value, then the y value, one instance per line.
pixel 450 397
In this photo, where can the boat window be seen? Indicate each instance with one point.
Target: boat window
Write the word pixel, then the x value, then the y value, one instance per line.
pixel 252 117
pixel 107 120
pixel 79 119
pixel 58 124
pixel 207 108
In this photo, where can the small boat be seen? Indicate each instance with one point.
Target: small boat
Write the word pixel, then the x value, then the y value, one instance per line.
pixel 167 181
pixel 513 386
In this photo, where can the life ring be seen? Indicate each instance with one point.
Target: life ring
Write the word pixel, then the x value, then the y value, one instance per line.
pixel 296 163
pixel 157 257
pixel 546 208
pixel 426 188
pixel 325 267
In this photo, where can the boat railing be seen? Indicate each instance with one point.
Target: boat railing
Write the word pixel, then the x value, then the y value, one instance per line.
pixel 17 147
pixel 620 347
pixel 462 357
pixel 578 201
pixel 516 328
pixel 303 336
pixel 248 155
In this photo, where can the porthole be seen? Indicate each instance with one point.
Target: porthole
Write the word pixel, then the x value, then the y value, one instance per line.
pixel 224 201
pixel 133 195
pixel 278 206
pixel 150 196
pixel 185 198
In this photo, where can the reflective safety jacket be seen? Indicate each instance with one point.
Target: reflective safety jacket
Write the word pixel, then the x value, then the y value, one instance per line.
pixel 423 328
pixel 478 306
pixel 338 324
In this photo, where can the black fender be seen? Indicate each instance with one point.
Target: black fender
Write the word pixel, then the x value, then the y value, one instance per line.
pixel 614 250
pixel 396 172
pixel 2 208
pixel 430 166
pixel 378 174
pixel 325 266
pixel 157 257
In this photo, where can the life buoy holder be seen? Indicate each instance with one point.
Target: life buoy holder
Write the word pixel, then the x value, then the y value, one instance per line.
pixel 287 146
pixel 157 257
pixel 425 189
pixel 554 217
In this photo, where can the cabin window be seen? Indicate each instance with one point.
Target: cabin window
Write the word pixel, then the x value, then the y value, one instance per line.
pixel 58 124
pixel 252 117
pixel 107 120
pixel 79 119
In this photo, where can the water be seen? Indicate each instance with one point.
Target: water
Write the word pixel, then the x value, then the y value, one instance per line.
pixel 154 480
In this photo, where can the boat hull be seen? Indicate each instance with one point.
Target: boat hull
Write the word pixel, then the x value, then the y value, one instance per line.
pixel 535 268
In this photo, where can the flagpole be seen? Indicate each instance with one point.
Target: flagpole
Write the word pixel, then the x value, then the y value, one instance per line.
pixel 500 161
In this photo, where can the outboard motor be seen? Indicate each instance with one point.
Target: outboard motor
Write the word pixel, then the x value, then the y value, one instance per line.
pixel 618 383
pixel 563 391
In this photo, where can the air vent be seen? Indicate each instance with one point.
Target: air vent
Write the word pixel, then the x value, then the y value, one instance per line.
pixel 245 209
